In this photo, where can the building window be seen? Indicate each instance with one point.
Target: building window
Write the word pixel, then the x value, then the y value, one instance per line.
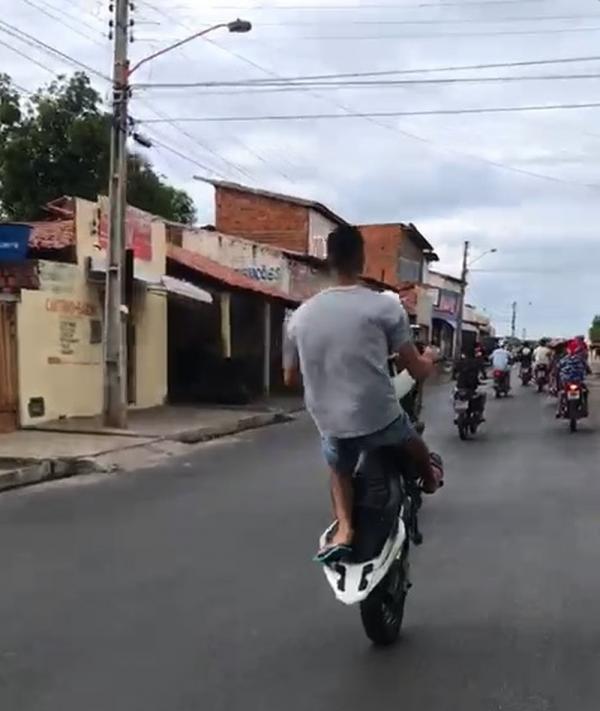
pixel 409 270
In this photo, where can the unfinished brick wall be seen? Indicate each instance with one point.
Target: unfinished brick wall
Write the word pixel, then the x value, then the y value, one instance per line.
pixel 262 219
pixel 382 245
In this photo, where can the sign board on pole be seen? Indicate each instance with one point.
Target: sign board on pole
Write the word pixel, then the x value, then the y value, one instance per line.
pixel 14 239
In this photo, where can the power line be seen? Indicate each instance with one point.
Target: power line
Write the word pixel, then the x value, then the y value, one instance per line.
pixel 462 21
pixel 266 89
pixel 395 129
pixel 412 35
pixel 24 55
pixel 386 6
pixel 186 157
pixel 381 73
pixel 379 114
pixel 37 43
pixel 62 21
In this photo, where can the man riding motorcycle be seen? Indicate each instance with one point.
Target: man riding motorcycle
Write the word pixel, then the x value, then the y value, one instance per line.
pixel 467 371
pixel 501 363
pixel 572 370
pixel 340 341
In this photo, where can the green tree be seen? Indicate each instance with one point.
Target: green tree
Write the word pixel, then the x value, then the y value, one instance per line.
pixel 57 142
pixel 595 330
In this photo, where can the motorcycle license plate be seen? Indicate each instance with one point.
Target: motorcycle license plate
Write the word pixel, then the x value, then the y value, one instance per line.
pixel 461 406
pixel 573 396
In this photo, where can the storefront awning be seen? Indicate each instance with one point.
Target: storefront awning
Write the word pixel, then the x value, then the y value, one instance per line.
pixel 451 321
pixel 185 289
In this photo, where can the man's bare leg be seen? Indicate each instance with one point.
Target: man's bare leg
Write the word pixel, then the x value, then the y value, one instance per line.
pixel 342 495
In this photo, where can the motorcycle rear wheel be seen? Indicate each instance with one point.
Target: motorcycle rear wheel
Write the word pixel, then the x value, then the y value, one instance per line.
pixel 573 424
pixel 382 612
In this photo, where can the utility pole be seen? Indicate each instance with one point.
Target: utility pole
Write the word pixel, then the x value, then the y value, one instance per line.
pixel 115 309
pixel 513 320
pixel 461 302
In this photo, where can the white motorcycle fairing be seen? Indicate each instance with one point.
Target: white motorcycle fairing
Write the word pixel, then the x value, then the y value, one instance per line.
pixel 353 582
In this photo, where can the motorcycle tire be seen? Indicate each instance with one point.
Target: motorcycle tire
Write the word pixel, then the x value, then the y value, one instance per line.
pixel 473 428
pixel 382 612
pixel 462 430
pixel 540 387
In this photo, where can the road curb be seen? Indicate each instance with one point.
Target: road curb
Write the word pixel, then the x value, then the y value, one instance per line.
pixel 47 470
pixel 29 472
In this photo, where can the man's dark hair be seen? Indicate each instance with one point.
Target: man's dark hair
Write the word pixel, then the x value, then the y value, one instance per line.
pixel 346 250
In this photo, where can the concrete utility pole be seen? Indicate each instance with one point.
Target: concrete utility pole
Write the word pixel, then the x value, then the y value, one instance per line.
pixel 513 320
pixel 115 309
pixel 115 306
pixel 461 302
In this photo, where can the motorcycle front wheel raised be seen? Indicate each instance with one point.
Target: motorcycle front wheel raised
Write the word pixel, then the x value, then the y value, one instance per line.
pixel 382 612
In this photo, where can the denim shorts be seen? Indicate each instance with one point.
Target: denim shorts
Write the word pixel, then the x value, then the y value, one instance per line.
pixel 342 455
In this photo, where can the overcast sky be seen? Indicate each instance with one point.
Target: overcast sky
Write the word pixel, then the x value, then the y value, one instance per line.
pixel 525 183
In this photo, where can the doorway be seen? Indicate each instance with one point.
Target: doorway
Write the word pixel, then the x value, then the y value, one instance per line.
pixel 9 398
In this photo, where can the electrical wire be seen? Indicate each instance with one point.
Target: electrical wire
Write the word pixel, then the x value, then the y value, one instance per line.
pixel 62 21
pixel 380 114
pixel 463 21
pixel 386 6
pixel 25 56
pixel 413 36
pixel 37 43
pixel 381 73
pixel 185 156
pixel 395 129
pixel 266 89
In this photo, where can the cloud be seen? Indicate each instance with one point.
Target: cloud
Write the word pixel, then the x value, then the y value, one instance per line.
pixel 441 178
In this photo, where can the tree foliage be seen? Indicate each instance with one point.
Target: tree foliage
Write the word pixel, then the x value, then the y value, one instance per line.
pixel 595 330
pixel 57 142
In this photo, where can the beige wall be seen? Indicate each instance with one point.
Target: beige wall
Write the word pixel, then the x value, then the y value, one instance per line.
pixel 56 360
pixel 250 258
pixel 319 228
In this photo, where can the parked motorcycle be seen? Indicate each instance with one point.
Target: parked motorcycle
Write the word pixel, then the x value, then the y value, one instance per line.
pixel 501 383
pixel 468 406
pixel 376 575
pixel 541 376
pixel 525 374
pixel 573 404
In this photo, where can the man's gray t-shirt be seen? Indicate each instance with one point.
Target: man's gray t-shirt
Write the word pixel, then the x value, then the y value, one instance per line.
pixel 342 338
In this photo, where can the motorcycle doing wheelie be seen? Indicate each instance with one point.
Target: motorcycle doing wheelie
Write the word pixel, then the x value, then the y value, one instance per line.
pixel 469 405
pixel 376 575
pixel 573 403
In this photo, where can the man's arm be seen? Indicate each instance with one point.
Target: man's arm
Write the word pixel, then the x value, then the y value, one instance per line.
pixel 419 366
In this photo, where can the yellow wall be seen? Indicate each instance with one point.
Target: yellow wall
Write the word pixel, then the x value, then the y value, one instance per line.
pixel 56 360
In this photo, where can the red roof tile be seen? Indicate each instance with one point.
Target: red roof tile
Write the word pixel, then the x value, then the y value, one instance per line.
pixel 52 234
pixel 223 274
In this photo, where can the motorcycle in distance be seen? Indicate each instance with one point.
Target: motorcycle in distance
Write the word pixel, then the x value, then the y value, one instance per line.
pixel 573 404
pixel 541 376
pixel 501 383
pixel 468 407
pixel 525 374
pixel 387 499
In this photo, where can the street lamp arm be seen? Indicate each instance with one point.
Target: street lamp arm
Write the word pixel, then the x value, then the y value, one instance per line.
pixel 484 254
pixel 235 26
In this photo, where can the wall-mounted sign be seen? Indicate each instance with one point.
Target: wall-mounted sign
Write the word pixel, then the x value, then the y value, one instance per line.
pixel 14 240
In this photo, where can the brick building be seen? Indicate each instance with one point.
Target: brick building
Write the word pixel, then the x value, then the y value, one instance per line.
pixel 283 221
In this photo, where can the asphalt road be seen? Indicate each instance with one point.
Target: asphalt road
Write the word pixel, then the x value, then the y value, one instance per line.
pixel 191 586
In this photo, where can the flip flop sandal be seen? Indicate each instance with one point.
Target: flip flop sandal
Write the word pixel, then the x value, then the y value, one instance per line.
pixel 332 554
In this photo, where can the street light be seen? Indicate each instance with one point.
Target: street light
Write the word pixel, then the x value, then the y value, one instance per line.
pixel 115 309
pixel 463 287
pixel 236 26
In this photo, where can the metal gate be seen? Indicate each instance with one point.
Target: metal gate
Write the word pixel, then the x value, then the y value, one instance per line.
pixel 8 368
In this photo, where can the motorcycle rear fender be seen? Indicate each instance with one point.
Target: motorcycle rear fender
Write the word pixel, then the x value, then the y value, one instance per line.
pixel 353 582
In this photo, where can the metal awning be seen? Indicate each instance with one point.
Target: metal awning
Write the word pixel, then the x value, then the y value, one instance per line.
pixel 451 321
pixel 183 288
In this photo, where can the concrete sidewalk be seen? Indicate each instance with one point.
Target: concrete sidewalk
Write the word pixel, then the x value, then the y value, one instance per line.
pixel 79 445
